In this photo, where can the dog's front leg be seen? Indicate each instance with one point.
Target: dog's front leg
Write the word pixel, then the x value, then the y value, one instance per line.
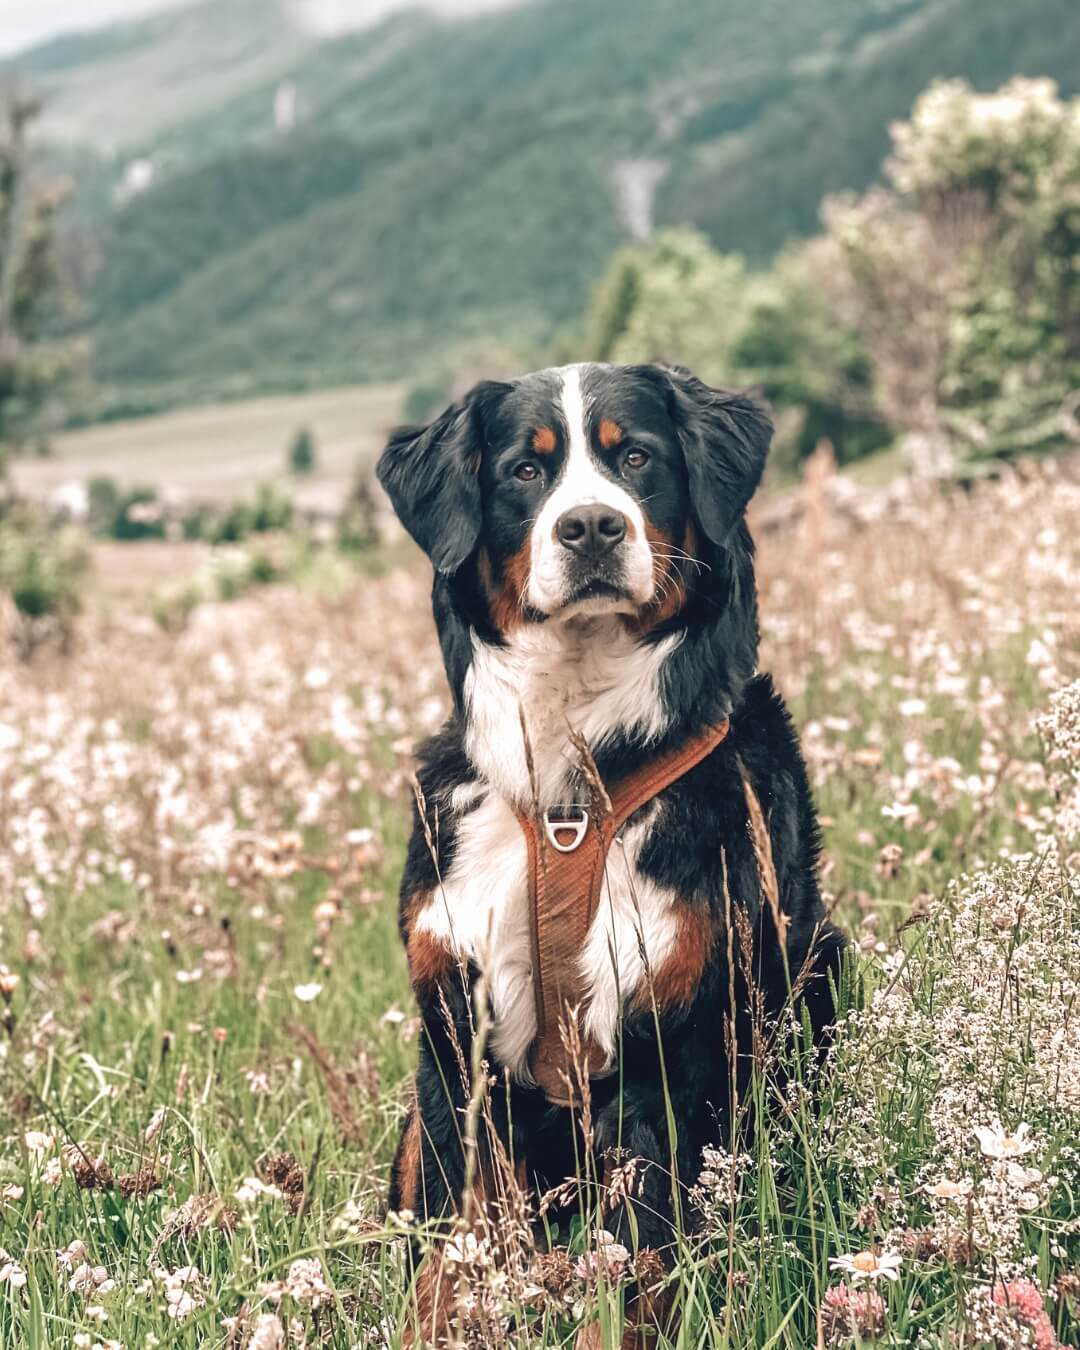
pixel 643 1185
pixel 430 1171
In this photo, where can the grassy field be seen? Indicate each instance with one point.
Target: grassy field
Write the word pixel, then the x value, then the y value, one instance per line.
pixel 208 1024
pixel 221 452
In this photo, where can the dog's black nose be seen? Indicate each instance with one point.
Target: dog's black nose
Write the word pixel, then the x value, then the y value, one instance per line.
pixel 591 530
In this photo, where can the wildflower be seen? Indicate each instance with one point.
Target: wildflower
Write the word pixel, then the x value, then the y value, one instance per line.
pixel 139 1183
pixel 9 982
pixel 251 1189
pixel 12 1192
pixel 1025 1301
pixel 900 811
pixel 183 1291
pixel 286 1174
pixel 305 1282
pixel 921 1243
pixel 870 1264
pixel 257 1081
pixel 91 1174
pixel 307 992
pixel 37 1141
pixel 88 1279
pixel 996 1142
pixel 72 1255
pixel 959 1249
pixel 946 1189
pixel 10 1271
pixel 850 1314
pixel 553 1276
pixel 610 1259
pixel 268 1333
pixel 468 1249
pixel 889 860
pixel 1020 1177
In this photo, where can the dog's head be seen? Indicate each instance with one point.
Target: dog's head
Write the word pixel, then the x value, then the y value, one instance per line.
pixel 584 490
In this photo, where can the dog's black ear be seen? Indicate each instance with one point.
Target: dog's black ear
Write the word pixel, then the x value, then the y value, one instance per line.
pixel 725 439
pixel 431 475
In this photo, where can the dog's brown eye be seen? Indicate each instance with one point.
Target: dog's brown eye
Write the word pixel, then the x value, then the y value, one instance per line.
pixel 636 459
pixel 526 471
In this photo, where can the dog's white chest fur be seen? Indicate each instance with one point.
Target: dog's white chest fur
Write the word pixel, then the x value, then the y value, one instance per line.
pixel 597 680
pixel 586 674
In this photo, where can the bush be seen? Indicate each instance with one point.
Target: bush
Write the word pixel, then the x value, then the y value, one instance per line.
pixel 964 270
pixel 676 299
pixel 679 300
pixel 302 452
pixel 942 308
pixel 173 607
pixel 798 344
pixel 117 512
pixel 271 510
pixel 357 525
pixel 234 571
pixel 41 571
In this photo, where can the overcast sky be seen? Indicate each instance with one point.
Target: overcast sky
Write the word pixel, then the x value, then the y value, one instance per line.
pixel 23 22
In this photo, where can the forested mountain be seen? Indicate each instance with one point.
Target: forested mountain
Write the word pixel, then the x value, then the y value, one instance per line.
pixel 357 206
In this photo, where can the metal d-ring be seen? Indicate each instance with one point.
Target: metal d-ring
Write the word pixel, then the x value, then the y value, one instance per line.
pixel 577 826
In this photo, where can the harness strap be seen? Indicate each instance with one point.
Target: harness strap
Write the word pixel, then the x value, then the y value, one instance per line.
pixel 567 857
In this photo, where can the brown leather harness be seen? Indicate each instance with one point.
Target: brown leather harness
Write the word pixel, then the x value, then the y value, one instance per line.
pixel 568 850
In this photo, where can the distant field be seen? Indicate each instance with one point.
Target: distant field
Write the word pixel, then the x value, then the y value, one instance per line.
pixel 223 451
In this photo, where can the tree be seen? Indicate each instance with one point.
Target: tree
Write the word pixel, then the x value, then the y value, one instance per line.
pixel 30 366
pixel 784 331
pixel 965 273
pixel 302 452
pixel 675 299
pixel 799 344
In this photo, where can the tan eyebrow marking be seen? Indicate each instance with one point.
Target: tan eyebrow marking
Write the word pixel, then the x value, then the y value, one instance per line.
pixel 610 433
pixel 543 440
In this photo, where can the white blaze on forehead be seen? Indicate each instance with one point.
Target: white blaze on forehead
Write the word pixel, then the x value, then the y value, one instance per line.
pixel 583 482
pixel 573 409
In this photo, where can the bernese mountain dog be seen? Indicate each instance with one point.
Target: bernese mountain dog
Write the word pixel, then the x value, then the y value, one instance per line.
pixel 595 602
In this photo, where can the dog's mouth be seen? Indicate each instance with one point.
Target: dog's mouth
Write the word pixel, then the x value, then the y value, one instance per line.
pixel 597 589
pixel 597 596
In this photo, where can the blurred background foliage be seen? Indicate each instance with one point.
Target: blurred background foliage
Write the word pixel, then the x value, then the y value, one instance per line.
pixel 941 307
pixel 258 207
pixel 867 209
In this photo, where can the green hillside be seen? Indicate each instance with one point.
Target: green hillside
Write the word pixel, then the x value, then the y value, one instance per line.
pixel 121 85
pixel 454 181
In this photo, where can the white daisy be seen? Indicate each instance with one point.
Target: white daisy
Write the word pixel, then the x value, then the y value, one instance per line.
pixel 869 1265
pixel 997 1142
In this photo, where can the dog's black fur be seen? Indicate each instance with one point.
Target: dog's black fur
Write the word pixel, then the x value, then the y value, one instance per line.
pixel 452 484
